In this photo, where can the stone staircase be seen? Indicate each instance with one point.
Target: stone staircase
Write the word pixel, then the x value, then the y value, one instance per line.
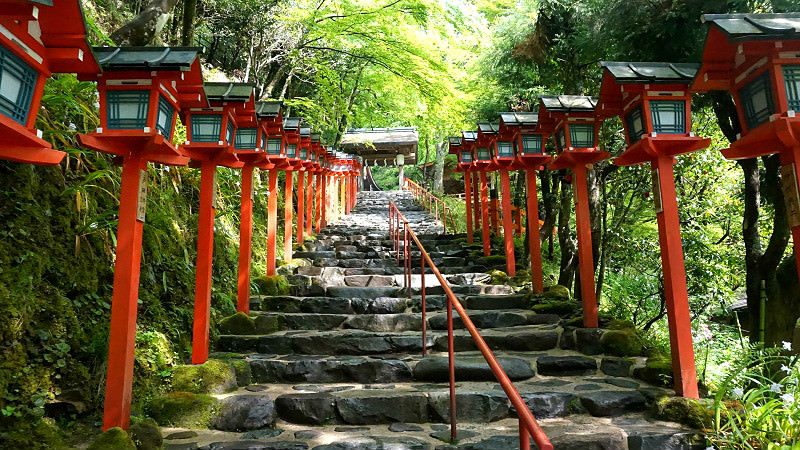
pixel 338 364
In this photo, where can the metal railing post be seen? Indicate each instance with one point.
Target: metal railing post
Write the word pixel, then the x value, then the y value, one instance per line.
pixel 424 316
pixel 524 437
pixel 451 361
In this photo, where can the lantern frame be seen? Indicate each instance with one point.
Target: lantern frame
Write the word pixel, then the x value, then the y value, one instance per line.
pixel 38 39
pixel 563 117
pixel 291 133
pixel 484 146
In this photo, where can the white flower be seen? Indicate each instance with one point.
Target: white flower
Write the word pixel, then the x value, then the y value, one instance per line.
pixel 787 398
pixel 786 368
pixel 738 392
pixel 787 346
pixel 72 126
pixel 776 387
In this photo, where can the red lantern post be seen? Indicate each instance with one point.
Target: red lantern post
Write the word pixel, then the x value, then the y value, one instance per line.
pixel 530 155
pixel 38 39
pixel 464 156
pixel 571 120
pixel 486 134
pixel 756 58
pixel 504 153
pixel 210 132
pixel 276 159
pixel 141 91
pixel 291 130
pixel 654 103
pixel 304 157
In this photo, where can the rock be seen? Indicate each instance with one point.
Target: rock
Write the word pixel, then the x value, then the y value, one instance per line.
pixel 550 404
pixel 477 407
pixel 612 403
pixel 693 413
pixel 399 427
pixel 469 368
pixel 245 412
pixel 566 365
pixel 384 322
pixel 272 285
pixel 181 435
pixel 146 435
pixel 212 377
pixel 183 409
pixel 497 277
pixel 461 434
pixel 625 342
pixel 557 291
pixel 587 387
pixel 311 409
pixel 113 439
pixel 266 324
pixel 616 367
pixel 362 292
pixel 256 445
pixel 602 439
pixel 239 323
pixel 371 407
pixel 560 307
pixel 587 340
pixel 262 434
pixel 657 371
pixel 307 434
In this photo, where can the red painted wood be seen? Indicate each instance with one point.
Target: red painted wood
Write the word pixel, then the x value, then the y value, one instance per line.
pixel 288 212
pixel 309 203
pixel 272 221
pixel 585 260
pixel 205 251
pixel 508 225
pixel 534 241
pixel 324 201
pixel 476 199
pixel 468 205
pixel 124 300
pixel 245 241
pixel 301 206
pixel 318 196
pixel 484 190
pixel 677 297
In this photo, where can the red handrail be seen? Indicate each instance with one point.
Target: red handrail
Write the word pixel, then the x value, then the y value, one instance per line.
pixel 528 426
pixel 431 202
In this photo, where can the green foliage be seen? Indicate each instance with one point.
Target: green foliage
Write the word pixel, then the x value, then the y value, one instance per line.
pixel 183 409
pixel 271 285
pixel 146 434
pixel 113 439
pixel 756 404
pixel 212 377
pixel 694 413
pixel 657 371
pixel 39 434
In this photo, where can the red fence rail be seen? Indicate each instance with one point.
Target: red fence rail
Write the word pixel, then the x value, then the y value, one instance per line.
pixel 402 236
pixel 435 205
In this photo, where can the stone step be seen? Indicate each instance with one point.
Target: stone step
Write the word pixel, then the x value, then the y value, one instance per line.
pixel 632 431
pixel 398 322
pixel 360 342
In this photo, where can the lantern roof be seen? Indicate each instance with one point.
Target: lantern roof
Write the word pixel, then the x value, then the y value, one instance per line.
pixel 568 103
pixel 745 27
pixel 146 58
pixel 650 72
pixel 292 123
pixel 519 118
pixel 269 108
pixel 62 26
pixel 469 136
pixel 228 92
pixel 305 132
pixel 316 137
pixel 488 128
pixel 454 140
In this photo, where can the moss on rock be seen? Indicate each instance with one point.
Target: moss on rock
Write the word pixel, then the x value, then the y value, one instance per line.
pixel 618 324
pixel 272 285
pixel 690 412
pixel 657 371
pixel 36 434
pixel 239 323
pixel 556 291
pixel 146 435
pixel 183 409
pixel 497 277
pixel 561 307
pixel 113 439
pixel 268 324
pixel 212 377
pixel 625 342
pixel 491 261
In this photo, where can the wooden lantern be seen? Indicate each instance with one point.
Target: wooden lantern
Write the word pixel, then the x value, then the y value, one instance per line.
pixel 38 38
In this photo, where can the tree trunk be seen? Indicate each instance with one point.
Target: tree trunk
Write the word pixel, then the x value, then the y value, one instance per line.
pixel 189 12
pixel 438 176
pixel 566 242
pixel 144 28
pixel 550 191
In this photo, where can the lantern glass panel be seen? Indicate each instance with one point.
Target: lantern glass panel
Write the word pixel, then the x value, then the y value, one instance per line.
pixel 505 150
pixel 466 157
pixel 166 113
pixel 791 78
pixel 291 150
pixel 483 154
pixel 757 101
pixel 303 153
pixel 274 146
pixel 206 128
pixel 669 116
pixel 246 138
pixel 127 110
pixel 229 132
pixel 581 136
pixel 531 144
pixel 17 82
pixel 561 139
pixel 635 123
